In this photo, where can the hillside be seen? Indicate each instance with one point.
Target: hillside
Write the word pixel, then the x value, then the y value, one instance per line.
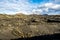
pixel 23 26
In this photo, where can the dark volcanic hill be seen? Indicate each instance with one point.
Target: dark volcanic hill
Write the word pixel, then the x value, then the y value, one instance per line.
pixel 23 26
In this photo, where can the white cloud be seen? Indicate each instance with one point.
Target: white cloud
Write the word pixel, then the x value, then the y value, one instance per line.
pixel 57 1
pixel 16 6
pixel 52 5
pixel 48 8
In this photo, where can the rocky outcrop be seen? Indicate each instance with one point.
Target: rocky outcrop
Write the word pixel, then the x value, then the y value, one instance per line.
pixel 23 26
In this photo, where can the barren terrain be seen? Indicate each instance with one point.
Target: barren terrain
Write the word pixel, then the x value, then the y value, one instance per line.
pixel 23 26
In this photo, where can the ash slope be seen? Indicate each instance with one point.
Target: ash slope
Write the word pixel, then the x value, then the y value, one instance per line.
pixel 23 26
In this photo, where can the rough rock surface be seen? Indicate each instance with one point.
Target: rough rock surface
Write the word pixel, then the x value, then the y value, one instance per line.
pixel 23 26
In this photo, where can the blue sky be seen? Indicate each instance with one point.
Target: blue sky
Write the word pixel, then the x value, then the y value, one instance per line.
pixel 38 1
pixel 30 6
